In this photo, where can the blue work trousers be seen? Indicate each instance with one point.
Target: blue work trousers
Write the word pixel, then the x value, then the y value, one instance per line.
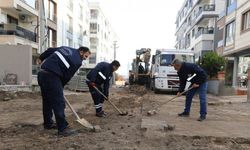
pixel 202 90
pixel 53 99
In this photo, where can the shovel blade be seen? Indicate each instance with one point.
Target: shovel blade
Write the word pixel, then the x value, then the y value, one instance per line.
pixel 85 123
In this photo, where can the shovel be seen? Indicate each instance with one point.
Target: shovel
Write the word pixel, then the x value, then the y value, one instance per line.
pixel 116 108
pixel 82 121
pixel 152 112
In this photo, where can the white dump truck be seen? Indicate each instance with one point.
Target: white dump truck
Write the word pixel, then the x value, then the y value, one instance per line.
pixel 163 76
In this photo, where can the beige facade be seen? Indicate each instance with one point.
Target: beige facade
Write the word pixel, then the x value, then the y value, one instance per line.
pixel 235 41
pixel 18 23
pixel 196 25
pixel 241 41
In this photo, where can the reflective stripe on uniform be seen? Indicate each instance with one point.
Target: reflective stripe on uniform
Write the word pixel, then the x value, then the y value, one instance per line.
pixel 98 106
pixel 104 78
pixel 62 59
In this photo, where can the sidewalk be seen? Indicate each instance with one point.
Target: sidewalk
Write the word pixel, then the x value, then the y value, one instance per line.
pixel 228 116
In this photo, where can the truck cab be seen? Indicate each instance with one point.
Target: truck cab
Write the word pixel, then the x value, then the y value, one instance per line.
pixel 163 76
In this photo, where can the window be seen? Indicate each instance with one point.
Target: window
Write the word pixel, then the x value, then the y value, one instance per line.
pixel 80 32
pixel 188 40
pixel 246 20
pixel 230 32
pixel 193 32
pixel 12 20
pixel 166 59
pixel 93 28
pixel 51 37
pixel 69 24
pixel 92 58
pixel 52 11
pixel 94 13
pixel 230 2
pixel 69 42
pixel 231 6
pixel 80 12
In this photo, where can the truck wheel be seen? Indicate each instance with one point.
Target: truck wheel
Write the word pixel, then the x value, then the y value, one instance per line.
pixel 156 91
pixel 151 85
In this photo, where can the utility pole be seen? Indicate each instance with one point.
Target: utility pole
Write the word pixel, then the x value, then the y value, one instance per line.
pixel 42 27
pixel 115 47
pixel 248 83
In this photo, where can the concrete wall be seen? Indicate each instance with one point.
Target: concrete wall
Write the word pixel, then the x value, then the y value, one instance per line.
pixel 16 59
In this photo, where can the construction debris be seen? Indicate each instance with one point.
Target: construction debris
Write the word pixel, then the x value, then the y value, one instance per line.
pixel 167 127
pixel 151 112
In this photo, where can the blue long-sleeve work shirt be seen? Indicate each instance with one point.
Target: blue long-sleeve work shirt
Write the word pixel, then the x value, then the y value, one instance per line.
pixel 189 69
pixel 62 61
pixel 101 74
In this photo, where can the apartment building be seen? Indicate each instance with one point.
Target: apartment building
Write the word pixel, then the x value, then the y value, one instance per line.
pixel 233 37
pixel 18 23
pixel 195 25
pixel 73 23
pixel 50 11
pixel 19 27
pixel 102 37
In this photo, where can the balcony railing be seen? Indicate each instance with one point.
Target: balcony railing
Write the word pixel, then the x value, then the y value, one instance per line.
pixel 210 7
pixel 12 29
pixel 204 31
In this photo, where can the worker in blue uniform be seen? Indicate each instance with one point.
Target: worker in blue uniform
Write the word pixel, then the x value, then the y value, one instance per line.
pixel 198 83
pixel 100 77
pixel 58 66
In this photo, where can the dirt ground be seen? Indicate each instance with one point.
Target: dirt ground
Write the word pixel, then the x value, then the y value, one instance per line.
pixel 226 128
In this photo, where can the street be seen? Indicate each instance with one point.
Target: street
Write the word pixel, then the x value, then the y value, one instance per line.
pixel 227 125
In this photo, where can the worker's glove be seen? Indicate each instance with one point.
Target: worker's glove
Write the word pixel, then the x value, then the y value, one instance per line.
pixel 92 84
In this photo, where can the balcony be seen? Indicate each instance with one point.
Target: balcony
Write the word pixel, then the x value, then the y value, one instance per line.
pixel 12 29
pixel 205 8
pixel 20 7
pixel 209 30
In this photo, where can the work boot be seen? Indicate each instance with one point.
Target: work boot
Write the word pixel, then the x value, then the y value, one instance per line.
pixel 101 114
pixel 49 127
pixel 67 132
pixel 183 114
pixel 201 118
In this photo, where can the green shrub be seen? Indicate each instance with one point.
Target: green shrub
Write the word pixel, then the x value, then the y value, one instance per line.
pixel 212 63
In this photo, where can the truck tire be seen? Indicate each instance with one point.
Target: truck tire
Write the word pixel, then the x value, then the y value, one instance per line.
pixel 156 91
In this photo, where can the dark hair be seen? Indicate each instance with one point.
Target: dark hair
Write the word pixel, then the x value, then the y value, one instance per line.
pixel 84 49
pixel 115 63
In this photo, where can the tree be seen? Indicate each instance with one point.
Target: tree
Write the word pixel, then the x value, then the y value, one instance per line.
pixel 212 63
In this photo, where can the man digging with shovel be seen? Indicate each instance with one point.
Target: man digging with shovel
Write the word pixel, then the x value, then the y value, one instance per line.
pixel 99 78
pixel 198 83
pixel 58 65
